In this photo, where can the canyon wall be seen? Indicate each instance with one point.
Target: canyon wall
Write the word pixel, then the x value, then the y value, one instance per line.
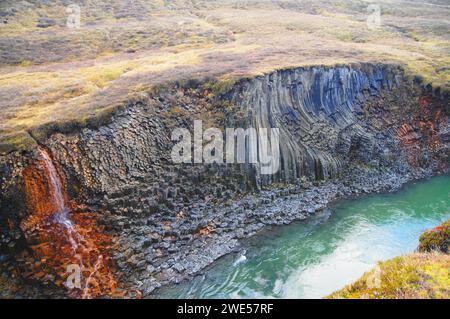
pixel 332 120
pixel 329 118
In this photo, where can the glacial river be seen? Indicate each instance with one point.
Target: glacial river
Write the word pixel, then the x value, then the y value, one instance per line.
pixel 312 259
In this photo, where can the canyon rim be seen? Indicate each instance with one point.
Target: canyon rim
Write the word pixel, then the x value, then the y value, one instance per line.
pixel 91 120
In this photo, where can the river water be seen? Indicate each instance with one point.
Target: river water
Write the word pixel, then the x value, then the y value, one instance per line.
pixel 312 259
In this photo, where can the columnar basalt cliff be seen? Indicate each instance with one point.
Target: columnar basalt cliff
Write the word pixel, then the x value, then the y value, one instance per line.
pixel 344 130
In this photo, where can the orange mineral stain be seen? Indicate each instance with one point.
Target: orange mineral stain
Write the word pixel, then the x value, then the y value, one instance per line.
pixel 422 133
pixel 61 237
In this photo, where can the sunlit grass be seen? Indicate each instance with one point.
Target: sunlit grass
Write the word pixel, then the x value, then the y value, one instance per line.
pixel 421 275
pixel 415 276
pixel 57 74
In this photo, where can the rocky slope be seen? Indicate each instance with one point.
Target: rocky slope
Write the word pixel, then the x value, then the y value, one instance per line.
pixel 344 130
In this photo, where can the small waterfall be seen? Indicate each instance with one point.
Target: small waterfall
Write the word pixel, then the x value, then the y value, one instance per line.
pixel 66 238
pixel 61 213
pixel 55 182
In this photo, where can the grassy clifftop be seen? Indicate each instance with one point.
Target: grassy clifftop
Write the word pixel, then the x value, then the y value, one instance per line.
pixel 425 274
pixel 51 73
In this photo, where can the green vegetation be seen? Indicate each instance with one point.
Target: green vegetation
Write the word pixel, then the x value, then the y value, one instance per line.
pixel 219 87
pixel 415 276
pixel 50 73
pixel 425 274
pixel 436 239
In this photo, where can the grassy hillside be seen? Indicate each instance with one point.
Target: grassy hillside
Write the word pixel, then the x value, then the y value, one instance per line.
pixel 50 73
pixel 415 276
pixel 425 274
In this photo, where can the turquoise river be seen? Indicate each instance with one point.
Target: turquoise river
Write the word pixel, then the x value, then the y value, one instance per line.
pixel 312 259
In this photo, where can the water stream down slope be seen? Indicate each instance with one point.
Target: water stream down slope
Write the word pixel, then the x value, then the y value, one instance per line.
pixel 71 243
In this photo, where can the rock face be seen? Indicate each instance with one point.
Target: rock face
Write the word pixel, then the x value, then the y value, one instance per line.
pixel 318 111
pixel 336 125
pixel 328 118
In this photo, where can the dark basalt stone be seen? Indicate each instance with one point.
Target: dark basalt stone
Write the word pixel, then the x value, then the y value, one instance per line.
pixel 45 23
pixel 345 131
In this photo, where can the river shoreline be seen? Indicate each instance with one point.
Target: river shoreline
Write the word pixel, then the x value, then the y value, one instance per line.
pixel 281 211
pixel 243 220
pixel 275 257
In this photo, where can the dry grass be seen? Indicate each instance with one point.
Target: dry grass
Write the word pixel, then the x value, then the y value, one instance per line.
pixel 57 75
pixel 422 275
pixel 415 276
